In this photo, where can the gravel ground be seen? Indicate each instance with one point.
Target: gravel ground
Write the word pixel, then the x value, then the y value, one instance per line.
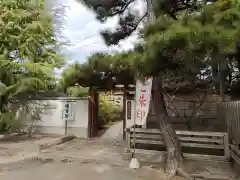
pixel 101 159
pixel 76 171
pixel 20 147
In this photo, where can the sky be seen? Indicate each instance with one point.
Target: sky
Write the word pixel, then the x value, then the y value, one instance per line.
pixel 82 31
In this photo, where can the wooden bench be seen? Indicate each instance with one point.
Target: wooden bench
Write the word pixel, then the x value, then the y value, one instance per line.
pixel 188 139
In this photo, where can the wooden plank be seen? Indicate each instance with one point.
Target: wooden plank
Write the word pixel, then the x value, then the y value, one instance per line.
pixel 148 142
pixel 200 139
pixel 144 151
pixel 148 136
pixel 235 157
pixel 189 133
pixel 202 133
pixel 196 145
pixel 185 155
pixel 235 149
pixel 184 144
pixel 204 157
pixel 191 139
pixel 147 131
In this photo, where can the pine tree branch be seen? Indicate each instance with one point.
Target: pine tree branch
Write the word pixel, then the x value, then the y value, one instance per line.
pixel 122 9
pixel 124 31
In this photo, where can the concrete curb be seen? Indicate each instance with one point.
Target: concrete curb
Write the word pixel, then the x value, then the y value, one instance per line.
pixel 56 142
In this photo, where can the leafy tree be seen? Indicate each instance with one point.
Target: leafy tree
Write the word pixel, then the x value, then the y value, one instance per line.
pixel 101 70
pixel 68 77
pixel 187 39
pixel 67 82
pixel 27 53
pixel 77 91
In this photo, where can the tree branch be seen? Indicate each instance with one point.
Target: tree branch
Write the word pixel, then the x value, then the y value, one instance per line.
pixel 122 10
pixel 125 30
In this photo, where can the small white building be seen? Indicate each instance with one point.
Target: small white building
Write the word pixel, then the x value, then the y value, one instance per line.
pixel 60 115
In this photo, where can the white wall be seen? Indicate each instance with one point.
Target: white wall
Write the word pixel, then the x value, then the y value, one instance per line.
pixel 53 123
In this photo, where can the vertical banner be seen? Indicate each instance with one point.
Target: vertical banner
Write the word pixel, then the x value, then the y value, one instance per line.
pixel 129 110
pixel 129 113
pixel 142 98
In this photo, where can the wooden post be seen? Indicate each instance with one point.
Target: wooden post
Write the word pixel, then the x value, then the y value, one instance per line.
pixel 66 127
pixel 226 146
pixel 90 112
pixel 128 138
pixel 96 113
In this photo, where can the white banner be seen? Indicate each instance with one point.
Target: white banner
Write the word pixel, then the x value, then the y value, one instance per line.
pixel 142 98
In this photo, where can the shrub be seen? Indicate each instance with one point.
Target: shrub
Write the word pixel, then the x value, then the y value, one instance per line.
pixel 77 91
pixel 108 113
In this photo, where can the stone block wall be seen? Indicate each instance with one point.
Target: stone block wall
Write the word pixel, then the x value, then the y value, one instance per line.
pixel 190 112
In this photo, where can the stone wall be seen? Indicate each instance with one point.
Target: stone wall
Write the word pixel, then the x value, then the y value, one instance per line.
pixel 193 112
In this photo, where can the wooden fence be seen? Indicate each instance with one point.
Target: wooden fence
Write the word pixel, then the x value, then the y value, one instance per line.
pixel 228 120
pixel 201 143
pixel 235 153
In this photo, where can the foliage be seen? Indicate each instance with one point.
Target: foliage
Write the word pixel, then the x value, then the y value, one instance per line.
pixel 195 45
pixel 67 76
pixel 94 73
pixel 102 70
pixel 77 91
pixel 108 113
pixel 7 120
pixel 32 112
pixel 27 53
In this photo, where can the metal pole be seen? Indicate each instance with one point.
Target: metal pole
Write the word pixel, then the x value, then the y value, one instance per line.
pixel 134 128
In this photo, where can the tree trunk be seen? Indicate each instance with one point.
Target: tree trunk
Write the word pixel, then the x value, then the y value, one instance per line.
pixel 172 143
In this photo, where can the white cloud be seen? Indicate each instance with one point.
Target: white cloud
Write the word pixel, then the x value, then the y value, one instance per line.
pixel 82 30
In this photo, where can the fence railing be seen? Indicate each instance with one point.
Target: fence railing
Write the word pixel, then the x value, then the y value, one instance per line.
pixel 228 120
pixel 235 153
pixel 214 142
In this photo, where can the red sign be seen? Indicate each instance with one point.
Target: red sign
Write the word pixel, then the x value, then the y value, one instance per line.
pixel 140 114
pixel 142 100
pixel 143 94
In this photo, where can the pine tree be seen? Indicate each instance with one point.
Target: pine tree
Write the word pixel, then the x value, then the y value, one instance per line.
pixel 186 38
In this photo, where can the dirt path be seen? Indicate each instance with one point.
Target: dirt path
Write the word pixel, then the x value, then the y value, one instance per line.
pixel 114 132
pixel 77 170
pixel 21 147
pixel 111 152
pixel 101 159
pixel 74 160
